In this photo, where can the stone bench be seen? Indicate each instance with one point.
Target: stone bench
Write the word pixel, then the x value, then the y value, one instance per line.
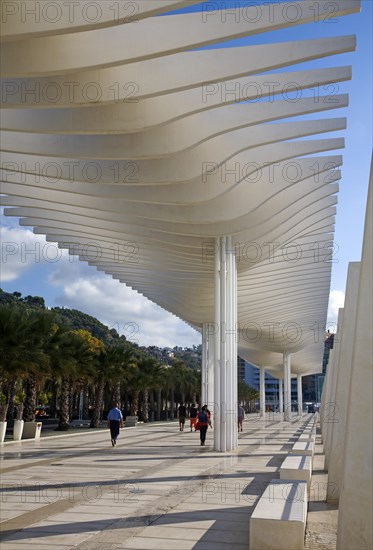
pixel 305 448
pixel 309 427
pixel 309 431
pixel 32 430
pixel 298 468
pixel 131 421
pixel 279 518
pixel 80 423
pixel 306 439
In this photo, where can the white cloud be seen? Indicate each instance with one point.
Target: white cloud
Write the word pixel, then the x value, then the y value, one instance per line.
pixel 8 221
pixel 20 251
pixel 336 301
pixel 118 306
pixel 80 286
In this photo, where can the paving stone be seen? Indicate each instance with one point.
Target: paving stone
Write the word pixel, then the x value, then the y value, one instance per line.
pixel 155 490
pixel 141 543
pixel 20 545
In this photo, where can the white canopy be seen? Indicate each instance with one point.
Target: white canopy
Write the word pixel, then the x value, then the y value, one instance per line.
pixel 136 153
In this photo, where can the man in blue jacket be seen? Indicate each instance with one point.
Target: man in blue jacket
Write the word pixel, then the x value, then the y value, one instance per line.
pixel 114 422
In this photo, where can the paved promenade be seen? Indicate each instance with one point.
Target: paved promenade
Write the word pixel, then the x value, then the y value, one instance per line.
pixel 158 489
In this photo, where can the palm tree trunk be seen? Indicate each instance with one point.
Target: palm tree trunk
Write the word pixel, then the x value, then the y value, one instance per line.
pixel 126 405
pixel 12 393
pixel 152 405
pixel 172 404
pixel 71 400
pixel 30 400
pixel 86 400
pixel 135 402
pixel 99 397
pixel 19 411
pixel 159 404
pixel 54 399
pixel 145 405
pixel 65 404
pixel 3 406
pixel 116 393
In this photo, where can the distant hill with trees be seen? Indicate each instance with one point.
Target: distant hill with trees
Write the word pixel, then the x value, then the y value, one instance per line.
pixel 64 316
pixel 78 320
pixel 72 364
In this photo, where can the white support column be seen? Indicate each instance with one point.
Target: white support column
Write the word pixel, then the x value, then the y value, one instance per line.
pixel 330 416
pixel 230 339
pixel 217 403
pixel 299 395
pixel 236 334
pixel 287 386
pixel 210 365
pixel 280 397
pixel 325 393
pixel 262 391
pixel 204 363
pixel 223 345
pixel 225 438
pixel 343 384
pixel 356 500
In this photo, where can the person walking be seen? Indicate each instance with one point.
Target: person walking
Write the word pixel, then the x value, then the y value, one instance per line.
pixel 115 422
pixel 209 415
pixel 203 423
pixel 193 416
pixel 240 417
pixel 182 415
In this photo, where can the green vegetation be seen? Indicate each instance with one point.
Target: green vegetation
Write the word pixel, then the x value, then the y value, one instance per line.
pixel 247 396
pixel 67 362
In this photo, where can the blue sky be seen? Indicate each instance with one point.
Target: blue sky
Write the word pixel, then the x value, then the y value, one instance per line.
pixel 65 281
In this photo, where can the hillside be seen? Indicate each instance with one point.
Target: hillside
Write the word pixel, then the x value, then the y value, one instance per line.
pixel 192 357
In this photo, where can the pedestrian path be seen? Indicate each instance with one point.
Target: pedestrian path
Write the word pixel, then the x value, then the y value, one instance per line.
pixel 157 489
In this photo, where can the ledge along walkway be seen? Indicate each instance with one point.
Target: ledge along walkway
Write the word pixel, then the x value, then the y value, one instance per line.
pixel 157 489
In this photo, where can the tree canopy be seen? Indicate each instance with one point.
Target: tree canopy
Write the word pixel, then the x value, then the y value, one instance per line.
pixel 60 356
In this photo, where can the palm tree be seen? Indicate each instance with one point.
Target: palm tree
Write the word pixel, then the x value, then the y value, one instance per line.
pixel 182 379
pixel 59 349
pixel 106 370
pixel 12 391
pixel 169 384
pixel 22 337
pixel 75 359
pixel 14 333
pixel 159 385
pixel 134 386
pixel 43 329
pixel 196 385
pixel 247 393
pixel 87 364
pixel 123 363
pixel 149 374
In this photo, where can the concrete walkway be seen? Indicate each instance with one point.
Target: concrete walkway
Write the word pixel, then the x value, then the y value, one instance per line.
pixel 158 489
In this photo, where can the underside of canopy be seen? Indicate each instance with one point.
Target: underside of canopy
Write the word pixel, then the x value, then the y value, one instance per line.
pixel 126 145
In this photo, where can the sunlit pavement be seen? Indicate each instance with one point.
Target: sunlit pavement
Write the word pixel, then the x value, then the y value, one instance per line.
pixel 157 489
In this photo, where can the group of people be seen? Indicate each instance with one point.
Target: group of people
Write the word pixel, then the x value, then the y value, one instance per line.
pixel 199 420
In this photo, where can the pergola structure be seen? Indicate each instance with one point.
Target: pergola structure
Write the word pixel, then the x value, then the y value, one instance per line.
pixel 175 170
